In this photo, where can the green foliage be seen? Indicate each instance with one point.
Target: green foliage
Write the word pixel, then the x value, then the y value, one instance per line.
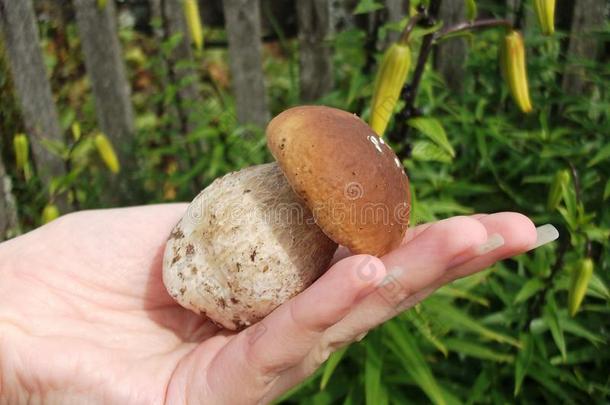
pixel 506 334
pixel 501 336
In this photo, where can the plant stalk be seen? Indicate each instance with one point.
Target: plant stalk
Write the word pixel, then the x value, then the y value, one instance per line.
pixel 470 25
pixel 409 92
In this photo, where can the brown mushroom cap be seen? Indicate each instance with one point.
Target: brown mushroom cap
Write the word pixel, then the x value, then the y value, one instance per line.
pixel 349 177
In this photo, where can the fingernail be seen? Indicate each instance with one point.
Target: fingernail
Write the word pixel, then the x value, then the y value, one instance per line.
pixel 493 242
pixel 545 234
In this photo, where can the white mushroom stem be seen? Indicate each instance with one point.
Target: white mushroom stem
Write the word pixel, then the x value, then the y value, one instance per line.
pixel 246 244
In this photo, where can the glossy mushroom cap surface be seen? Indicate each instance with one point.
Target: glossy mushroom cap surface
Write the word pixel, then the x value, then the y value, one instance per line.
pixel 348 176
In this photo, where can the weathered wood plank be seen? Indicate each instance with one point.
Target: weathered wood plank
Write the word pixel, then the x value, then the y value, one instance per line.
pixel 180 63
pixel 450 55
pixel 32 88
pixel 315 53
pixel 242 22
pixel 588 17
pixel 342 14
pixel 103 61
pixel 9 223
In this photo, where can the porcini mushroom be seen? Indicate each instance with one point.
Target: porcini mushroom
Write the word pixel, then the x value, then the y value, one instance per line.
pixel 256 237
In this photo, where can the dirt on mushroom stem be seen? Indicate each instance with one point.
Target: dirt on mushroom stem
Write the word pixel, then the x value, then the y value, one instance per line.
pixel 246 244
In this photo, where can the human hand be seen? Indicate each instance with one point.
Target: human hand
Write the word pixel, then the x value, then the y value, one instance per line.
pixel 84 315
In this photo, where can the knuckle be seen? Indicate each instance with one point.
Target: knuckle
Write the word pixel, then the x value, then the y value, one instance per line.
pixel 392 291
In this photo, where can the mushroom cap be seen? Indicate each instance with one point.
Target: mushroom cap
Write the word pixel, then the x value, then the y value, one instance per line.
pixel 348 176
pixel 246 244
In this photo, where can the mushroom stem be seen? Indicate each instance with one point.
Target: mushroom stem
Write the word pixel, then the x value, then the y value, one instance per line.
pixel 247 244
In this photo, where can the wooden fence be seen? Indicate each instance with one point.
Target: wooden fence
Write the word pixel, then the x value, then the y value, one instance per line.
pixel 101 48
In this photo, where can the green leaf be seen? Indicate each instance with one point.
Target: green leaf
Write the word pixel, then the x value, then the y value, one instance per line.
pixel 480 388
pixel 434 130
pixel 373 365
pixel 471 349
pixel 598 288
pixel 551 318
pixel 530 288
pixel 349 400
pixel 357 83
pixel 573 327
pixel 448 207
pixel 146 121
pixel 597 234
pixel 607 190
pixel 67 118
pixel 367 6
pixel 331 364
pixel 522 364
pixel 483 148
pixel 561 180
pixel 586 354
pixel 427 151
pixel 416 366
pixel 458 293
pixel 450 315
pixel 602 154
pixel 565 375
pixel 480 109
pixel 569 198
pixel 551 384
pixel 470 282
pixel 217 160
pixel 420 322
pixel 57 148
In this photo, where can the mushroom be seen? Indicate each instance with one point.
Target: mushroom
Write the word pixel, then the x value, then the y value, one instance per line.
pixel 257 237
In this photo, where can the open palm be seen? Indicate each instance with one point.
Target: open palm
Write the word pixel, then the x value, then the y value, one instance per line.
pixel 84 315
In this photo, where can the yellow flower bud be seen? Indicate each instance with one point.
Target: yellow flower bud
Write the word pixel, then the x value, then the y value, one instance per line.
pixel 49 213
pixel 391 78
pixel 512 62
pixel 172 167
pixel 471 10
pixel 545 11
pixel 76 131
pixel 22 151
pixel 169 191
pixel 193 20
pixel 107 153
pixel 579 283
